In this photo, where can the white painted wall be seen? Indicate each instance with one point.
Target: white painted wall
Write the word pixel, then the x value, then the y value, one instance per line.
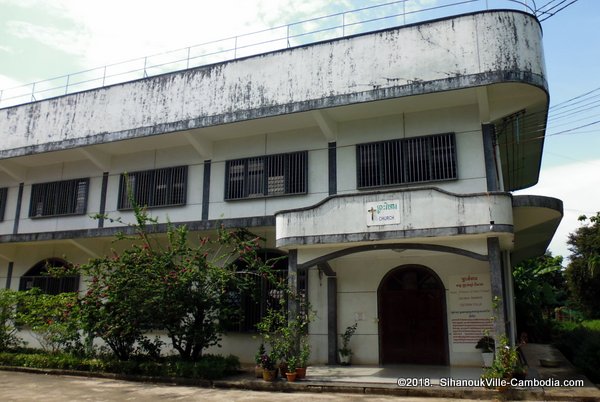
pixel 6 226
pixel 420 209
pixel 155 159
pixel 463 121
pixel 310 140
pixel 358 277
pixel 353 70
pixel 56 172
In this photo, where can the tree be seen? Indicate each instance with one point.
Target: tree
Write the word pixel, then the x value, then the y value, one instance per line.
pixel 583 272
pixel 9 302
pixel 539 287
pixel 165 284
pixel 52 319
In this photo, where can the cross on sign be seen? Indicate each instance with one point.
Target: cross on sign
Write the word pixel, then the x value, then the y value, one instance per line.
pixel 372 211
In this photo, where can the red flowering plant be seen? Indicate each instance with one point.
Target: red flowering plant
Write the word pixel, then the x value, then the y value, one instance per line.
pixel 165 282
pixel 52 319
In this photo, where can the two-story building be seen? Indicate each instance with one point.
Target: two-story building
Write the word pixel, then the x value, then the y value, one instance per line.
pixel 381 164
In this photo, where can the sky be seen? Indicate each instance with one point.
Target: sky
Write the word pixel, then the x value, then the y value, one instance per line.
pixel 42 39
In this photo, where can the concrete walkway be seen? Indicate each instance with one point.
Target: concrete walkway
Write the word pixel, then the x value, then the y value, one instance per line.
pixel 415 381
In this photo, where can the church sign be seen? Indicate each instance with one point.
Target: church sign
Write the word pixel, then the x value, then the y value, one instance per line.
pixel 383 213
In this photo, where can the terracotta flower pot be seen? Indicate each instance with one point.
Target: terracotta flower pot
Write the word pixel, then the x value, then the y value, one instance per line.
pixel 291 377
pixel 258 371
pixel 300 373
pixel 269 375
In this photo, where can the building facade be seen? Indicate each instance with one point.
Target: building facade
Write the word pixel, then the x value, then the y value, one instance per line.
pixel 381 164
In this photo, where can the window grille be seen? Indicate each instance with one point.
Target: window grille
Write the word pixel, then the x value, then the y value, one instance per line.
pixel 38 277
pixel 260 294
pixel 3 197
pixel 68 197
pixel 154 188
pixel 411 160
pixel 265 176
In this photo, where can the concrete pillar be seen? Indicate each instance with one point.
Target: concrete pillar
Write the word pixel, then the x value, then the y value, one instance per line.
pixel 332 164
pixel 498 293
pixel 9 272
pixel 489 152
pixel 18 210
pixel 332 320
pixel 103 192
pixel 510 298
pixel 293 304
pixel 206 190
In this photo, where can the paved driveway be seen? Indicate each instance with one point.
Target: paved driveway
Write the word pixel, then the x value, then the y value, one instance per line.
pixel 49 388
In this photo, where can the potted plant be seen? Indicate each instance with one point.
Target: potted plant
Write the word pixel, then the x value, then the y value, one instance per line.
pixel 345 353
pixel 258 370
pixel 505 364
pixel 268 365
pixel 291 368
pixel 303 357
pixel 487 345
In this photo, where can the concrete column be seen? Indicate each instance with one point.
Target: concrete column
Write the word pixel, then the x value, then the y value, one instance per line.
pixel 498 294
pixel 510 298
pixel 103 199
pixel 293 304
pixel 9 272
pixel 332 165
pixel 331 320
pixel 206 190
pixel 18 210
pixel 489 152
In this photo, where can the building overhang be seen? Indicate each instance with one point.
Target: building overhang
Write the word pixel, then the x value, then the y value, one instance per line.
pixel 536 219
pixel 417 214
pixel 433 57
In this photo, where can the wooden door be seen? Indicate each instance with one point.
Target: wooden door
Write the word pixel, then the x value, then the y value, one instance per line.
pixel 412 317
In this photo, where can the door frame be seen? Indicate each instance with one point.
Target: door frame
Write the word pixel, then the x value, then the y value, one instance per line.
pixel 446 351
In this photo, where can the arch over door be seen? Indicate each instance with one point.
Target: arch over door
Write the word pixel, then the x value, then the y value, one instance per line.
pixel 412 317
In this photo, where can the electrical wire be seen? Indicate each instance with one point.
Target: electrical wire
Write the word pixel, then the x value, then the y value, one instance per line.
pixel 559 10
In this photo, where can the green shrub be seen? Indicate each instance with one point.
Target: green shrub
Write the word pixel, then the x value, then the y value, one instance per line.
pixel 580 343
pixel 209 367
pixel 8 314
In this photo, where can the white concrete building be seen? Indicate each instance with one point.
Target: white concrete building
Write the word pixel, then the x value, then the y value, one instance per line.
pixel 382 164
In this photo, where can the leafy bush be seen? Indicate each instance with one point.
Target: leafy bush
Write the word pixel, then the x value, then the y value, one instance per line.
pixel 209 367
pixel 173 285
pixel 53 319
pixel 580 343
pixel 8 314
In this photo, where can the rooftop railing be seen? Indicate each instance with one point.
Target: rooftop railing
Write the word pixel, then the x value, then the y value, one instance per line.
pixel 332 26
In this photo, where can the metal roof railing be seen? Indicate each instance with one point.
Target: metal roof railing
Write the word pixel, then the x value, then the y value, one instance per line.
pixel 332 26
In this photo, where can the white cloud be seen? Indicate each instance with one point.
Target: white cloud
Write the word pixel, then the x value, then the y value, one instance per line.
pixel 6 49
pixel 8 82
pixel 68 41
pixel 578 186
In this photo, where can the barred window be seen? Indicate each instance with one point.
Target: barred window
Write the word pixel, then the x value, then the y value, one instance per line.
pixel 38 277
pixel 250 305
pixel 154 188
pixel 264 176
pixel 67 197
pixel 3 197
pixel 411 160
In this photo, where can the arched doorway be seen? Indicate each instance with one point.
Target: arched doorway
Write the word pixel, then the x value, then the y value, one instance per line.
pixel 412 317
pixel 37 277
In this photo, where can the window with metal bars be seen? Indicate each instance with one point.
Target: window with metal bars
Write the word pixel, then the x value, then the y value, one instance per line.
pixel 3 197
pixel 38 277
pixel 410 160
pixel 259 293
pixel 265 176
pixel 153 188
pixel 67 197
